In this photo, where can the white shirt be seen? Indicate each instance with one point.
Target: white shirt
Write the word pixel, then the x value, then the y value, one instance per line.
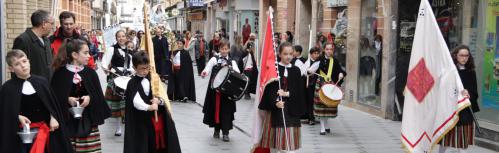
pixel 138 102
pixel 248 60
pixel 176 58
pixel 301 66
pixel 314 67
pixel 213 61
pixel 28 88
pixel 106 59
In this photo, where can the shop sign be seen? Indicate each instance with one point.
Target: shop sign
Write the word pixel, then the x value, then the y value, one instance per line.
pixel 196 3
pixel 196 16
pixel 337 3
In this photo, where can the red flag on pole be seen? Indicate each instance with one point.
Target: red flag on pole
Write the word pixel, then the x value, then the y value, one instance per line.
pixel 268 72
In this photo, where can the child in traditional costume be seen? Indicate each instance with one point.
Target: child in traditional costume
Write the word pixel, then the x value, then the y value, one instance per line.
pixel 329 71
pixel 117 62
pixel 77 85
pixel 288 96
pixel 146 132
pixel 218 109
pixel 310 85
pixel 28 100
pixel 181 81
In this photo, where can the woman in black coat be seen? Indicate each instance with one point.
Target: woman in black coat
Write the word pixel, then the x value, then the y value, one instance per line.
pixel 463 133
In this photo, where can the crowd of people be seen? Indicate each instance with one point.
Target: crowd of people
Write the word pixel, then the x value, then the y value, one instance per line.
pixel 52 74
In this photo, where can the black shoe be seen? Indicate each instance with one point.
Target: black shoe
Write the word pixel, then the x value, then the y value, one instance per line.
pixel 216 135
pixel 328 130
pixel 247 96
pixel 185 99
pixel 323 133
pixel 225 138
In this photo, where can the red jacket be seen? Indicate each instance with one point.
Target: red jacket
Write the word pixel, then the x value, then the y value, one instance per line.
pixel 57 39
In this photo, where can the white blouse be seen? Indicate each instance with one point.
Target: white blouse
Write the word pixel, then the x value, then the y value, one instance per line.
pixel 108 55
pixel 213 61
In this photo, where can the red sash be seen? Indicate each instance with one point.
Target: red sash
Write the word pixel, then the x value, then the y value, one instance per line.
pixel 217 106
pixel 159 132
pixel 42 138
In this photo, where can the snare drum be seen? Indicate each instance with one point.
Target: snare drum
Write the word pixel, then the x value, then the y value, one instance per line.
pixel 120 84
pixel 330 95
pixel 230 83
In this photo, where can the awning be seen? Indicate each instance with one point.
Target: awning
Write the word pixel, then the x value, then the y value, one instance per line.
pixel 208 1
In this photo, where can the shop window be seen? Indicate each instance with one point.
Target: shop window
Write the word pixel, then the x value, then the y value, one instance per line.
pixel 370 51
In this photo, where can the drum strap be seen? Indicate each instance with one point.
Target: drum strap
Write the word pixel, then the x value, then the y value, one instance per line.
pixel 327 77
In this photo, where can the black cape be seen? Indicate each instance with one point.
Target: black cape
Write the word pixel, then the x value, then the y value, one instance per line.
pixel 97 111
pixel 227 107
pixel 10 100
pixel 162 55
pixel 468 78
pixel 139 128
pixel 293 105
pixel 252 75
pixel 337 69
pixel 182 84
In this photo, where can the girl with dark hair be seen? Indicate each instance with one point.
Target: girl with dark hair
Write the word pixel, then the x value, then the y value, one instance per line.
pixel 117 62
pixel 287 97
pixel 218 109
pixel 75 84
pixel 462 135
pixel 330 71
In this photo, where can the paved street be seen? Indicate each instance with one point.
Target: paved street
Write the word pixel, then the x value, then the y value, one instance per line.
pixel 352 132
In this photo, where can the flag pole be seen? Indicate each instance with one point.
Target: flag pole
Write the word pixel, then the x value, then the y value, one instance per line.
pixel 279 79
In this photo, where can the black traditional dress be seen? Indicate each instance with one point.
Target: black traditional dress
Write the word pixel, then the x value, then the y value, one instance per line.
pixel 78 81
pixel 162 55
pixel 310 91
pixel 37 104
pixel 276 137
pixel 218 109
pixel 142 133
pixel 181 82
pixel 463 134
pixel 250 70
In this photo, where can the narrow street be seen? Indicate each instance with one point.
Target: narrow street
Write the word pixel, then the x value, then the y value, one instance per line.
pixel 353 131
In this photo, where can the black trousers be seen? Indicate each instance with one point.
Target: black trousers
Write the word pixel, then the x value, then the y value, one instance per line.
pixel 201 63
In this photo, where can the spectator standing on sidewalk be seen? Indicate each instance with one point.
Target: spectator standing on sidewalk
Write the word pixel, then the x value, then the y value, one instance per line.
pixel 36 45
pixel 201 52
pixel 68 29
pixel 214 45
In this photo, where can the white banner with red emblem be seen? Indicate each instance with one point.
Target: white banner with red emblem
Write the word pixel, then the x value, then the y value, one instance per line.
pixel 433 94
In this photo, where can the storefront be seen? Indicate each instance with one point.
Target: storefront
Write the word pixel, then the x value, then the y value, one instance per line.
pixel 370 58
